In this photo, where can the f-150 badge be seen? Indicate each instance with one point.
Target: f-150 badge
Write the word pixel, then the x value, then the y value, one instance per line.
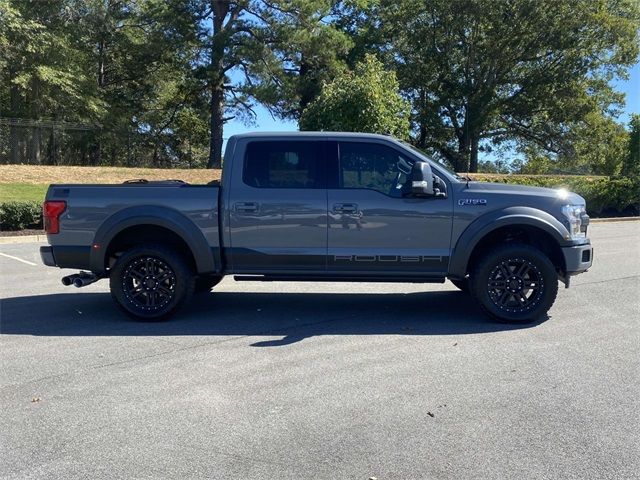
pixel 472 201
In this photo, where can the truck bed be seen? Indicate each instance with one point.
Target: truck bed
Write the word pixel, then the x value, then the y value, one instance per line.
pixel 95 211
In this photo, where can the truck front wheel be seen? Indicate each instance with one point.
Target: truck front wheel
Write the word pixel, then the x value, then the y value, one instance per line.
pixel 151 282
pixel 514 283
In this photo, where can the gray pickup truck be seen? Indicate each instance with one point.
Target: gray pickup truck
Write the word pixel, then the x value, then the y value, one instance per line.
pixel 320 206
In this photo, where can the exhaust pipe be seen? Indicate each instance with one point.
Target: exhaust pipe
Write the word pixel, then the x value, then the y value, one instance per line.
pixel 85 279
pixel 69 279
pixel 81 279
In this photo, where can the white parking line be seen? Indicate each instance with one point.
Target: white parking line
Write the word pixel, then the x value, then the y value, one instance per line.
pixel 18 259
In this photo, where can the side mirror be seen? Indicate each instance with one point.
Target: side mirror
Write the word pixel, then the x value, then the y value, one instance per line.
pixel 422 179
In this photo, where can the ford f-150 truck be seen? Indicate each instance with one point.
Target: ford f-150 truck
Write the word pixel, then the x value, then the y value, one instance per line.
pixel 320 206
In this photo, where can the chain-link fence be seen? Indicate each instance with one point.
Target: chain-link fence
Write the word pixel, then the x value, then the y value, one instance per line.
pixel 49 142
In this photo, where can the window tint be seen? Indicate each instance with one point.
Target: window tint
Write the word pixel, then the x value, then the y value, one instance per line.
pixel 282 165
pixel 372 166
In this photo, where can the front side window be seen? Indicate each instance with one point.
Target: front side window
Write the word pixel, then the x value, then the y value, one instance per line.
pixel 282 165
pixel 374 167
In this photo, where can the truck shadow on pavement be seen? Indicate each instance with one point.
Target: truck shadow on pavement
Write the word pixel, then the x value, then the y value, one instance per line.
pixel 291 316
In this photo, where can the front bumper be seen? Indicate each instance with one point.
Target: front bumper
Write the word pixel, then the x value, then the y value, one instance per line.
pixel 578 258
pixel 46 254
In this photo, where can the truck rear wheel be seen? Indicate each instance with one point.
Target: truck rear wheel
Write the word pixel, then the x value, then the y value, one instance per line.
pixel 151 282
pixel 514 283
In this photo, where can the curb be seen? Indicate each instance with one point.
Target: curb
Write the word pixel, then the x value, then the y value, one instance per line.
pixel 614 219
pixel 22 239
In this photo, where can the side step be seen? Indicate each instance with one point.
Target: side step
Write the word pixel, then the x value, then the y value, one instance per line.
pixel 291 278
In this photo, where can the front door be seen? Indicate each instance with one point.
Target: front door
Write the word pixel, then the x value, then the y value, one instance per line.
pixel 375 228
pixel 278 208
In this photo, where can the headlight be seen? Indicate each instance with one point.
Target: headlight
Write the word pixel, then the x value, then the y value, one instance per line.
pixel 577 220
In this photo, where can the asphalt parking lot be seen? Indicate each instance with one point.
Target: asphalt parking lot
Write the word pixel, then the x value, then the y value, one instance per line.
pixel 326 381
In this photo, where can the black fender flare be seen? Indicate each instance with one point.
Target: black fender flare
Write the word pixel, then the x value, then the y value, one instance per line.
pixel 151 215
pixel 484 225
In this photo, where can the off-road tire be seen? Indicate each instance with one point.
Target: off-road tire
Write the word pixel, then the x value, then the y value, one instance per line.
pixel 514 283
pixel 150 283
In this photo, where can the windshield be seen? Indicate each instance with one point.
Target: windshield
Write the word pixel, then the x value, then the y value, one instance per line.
pixel 423 155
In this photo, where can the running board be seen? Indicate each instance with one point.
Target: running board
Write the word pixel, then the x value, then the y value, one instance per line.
pixel 290 278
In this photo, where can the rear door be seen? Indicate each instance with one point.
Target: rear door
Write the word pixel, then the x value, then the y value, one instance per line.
pixel 375 228
pixel 278 207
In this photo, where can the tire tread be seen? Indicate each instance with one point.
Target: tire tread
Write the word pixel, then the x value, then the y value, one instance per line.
pixel 178 263
pixel 506 249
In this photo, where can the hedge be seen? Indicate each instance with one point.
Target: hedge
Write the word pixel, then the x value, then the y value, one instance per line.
pixel 605 196
pixel 20 215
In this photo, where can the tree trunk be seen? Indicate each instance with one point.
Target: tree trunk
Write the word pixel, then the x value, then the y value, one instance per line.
pixel 101 57
pixel 14 156
pixel 216 78
pixel 95 152
pixel 473 154
pixel 54 146
pixel 34 140
pixel 216 125
pixel 422 136
pixel 468 141
pixel 461 163
pixel 306 92
pixel 95 155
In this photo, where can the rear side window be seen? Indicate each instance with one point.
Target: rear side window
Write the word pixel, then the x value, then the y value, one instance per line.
pixel 283 165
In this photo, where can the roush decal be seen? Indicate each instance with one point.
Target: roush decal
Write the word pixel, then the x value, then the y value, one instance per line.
pixel 386 258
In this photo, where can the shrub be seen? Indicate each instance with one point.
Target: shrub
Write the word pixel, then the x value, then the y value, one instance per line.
pixel 605 196
pixel 20 215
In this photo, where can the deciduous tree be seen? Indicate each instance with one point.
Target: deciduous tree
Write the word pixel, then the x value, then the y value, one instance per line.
pixel 492 71
pixel 364 100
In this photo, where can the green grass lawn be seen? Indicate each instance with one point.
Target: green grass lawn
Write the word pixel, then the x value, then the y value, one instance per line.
pixel 22 192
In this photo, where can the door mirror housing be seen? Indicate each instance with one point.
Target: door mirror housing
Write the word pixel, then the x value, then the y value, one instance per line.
pixel 422 179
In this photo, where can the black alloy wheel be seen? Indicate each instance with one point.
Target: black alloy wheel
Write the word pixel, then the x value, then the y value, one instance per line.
pixel 515 283
pixel 151 282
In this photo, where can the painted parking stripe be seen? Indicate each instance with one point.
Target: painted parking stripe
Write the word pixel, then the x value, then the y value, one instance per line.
pixel 18 259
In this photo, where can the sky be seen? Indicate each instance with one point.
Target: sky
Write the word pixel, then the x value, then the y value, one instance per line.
pixel 632 88
pixel 266 123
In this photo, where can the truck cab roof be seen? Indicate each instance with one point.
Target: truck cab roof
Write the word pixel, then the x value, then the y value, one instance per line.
pixel 315 134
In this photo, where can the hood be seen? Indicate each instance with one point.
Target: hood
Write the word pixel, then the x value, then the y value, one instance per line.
pixel 556 195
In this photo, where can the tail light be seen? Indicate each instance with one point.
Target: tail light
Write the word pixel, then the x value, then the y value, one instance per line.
pixel 51 211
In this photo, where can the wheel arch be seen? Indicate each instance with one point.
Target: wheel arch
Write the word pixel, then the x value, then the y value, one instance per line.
pixel 526 224
pixel 144 222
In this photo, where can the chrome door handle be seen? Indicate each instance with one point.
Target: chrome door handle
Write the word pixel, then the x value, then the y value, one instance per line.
pixel 246 207
pixel 345 208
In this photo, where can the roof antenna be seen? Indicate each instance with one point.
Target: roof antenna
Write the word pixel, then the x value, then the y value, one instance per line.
pixel 468 160
pixel 468 168
pixel 467 174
